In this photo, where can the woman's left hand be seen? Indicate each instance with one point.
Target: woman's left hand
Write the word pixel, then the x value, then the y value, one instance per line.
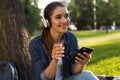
pixel 83 58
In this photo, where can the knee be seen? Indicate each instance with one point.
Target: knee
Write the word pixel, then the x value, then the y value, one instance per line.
pixel 88 74
pixel 84 75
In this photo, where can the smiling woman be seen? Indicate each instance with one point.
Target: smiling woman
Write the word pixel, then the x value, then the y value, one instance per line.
pixel 52 52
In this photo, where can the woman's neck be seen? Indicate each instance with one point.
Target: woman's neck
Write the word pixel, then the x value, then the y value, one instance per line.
pixel 57 37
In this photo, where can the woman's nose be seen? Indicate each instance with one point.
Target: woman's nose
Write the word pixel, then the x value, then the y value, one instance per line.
pixel 64 20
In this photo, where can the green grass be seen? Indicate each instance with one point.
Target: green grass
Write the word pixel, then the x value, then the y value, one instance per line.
pixel 94 34
pixel 106 57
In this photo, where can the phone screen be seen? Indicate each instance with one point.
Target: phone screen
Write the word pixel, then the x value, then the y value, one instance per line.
pixel 86 49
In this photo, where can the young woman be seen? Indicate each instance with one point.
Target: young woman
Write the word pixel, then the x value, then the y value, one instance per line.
pixel 52 52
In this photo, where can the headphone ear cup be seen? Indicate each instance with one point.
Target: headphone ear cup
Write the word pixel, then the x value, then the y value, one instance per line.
pixel 46 23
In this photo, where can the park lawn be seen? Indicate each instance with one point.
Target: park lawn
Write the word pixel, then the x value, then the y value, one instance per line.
pixel 94 34
pixel 106 57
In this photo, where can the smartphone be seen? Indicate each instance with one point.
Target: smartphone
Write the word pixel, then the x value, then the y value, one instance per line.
pixel 86 49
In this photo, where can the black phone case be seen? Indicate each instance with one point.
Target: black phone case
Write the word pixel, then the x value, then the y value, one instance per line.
pixel 83 49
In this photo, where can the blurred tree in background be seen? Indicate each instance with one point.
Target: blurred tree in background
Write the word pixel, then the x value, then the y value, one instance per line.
pixel 81 13
pixel 116 11
pixel 32 15
pixel 14 37
pixel 107 12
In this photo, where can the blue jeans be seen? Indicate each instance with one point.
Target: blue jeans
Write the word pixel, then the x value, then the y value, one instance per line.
pixel 84 75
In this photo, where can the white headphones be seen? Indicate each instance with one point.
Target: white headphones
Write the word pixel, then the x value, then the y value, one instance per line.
pixel 46 23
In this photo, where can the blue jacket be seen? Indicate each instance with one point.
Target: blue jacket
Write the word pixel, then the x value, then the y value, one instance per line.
pixel 41 59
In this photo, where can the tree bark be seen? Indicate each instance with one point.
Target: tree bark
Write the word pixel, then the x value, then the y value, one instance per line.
pixel 14 37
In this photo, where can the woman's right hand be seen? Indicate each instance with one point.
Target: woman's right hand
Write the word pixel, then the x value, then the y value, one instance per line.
pixel 57 51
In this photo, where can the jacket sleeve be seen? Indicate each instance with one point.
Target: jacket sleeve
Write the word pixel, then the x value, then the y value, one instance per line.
pixel 38 65
pixel 74 47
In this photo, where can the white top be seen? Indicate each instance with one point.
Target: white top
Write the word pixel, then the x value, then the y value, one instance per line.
pixel 59 75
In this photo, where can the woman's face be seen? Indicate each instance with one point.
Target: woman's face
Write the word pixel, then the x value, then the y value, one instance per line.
pixel 60 20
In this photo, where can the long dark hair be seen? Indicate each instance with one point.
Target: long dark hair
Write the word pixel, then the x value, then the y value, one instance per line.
pixel 46 36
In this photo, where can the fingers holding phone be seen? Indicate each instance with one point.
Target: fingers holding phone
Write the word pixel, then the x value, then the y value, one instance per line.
pixel 84 55
pixel 80 58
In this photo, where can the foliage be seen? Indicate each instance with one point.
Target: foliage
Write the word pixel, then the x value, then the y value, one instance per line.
pixel 32 15
pixel 81 13
pixel 116 11
pixel 107 12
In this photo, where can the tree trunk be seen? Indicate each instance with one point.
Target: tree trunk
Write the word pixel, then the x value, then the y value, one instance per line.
pixel 14 38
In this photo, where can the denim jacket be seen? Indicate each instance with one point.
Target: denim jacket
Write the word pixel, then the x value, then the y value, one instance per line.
pixel 41 59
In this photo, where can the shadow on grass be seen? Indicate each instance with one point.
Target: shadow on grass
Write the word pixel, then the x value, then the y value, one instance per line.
pixel 106 59
pixel 106 51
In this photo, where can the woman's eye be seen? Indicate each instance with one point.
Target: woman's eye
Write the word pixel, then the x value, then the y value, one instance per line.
pixel 66 16
pixel 58 17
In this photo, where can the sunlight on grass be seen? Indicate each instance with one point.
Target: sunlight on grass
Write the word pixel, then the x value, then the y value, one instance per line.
pixel 109 66
pixel 95 34
pixel 106 58
pixel 95 42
